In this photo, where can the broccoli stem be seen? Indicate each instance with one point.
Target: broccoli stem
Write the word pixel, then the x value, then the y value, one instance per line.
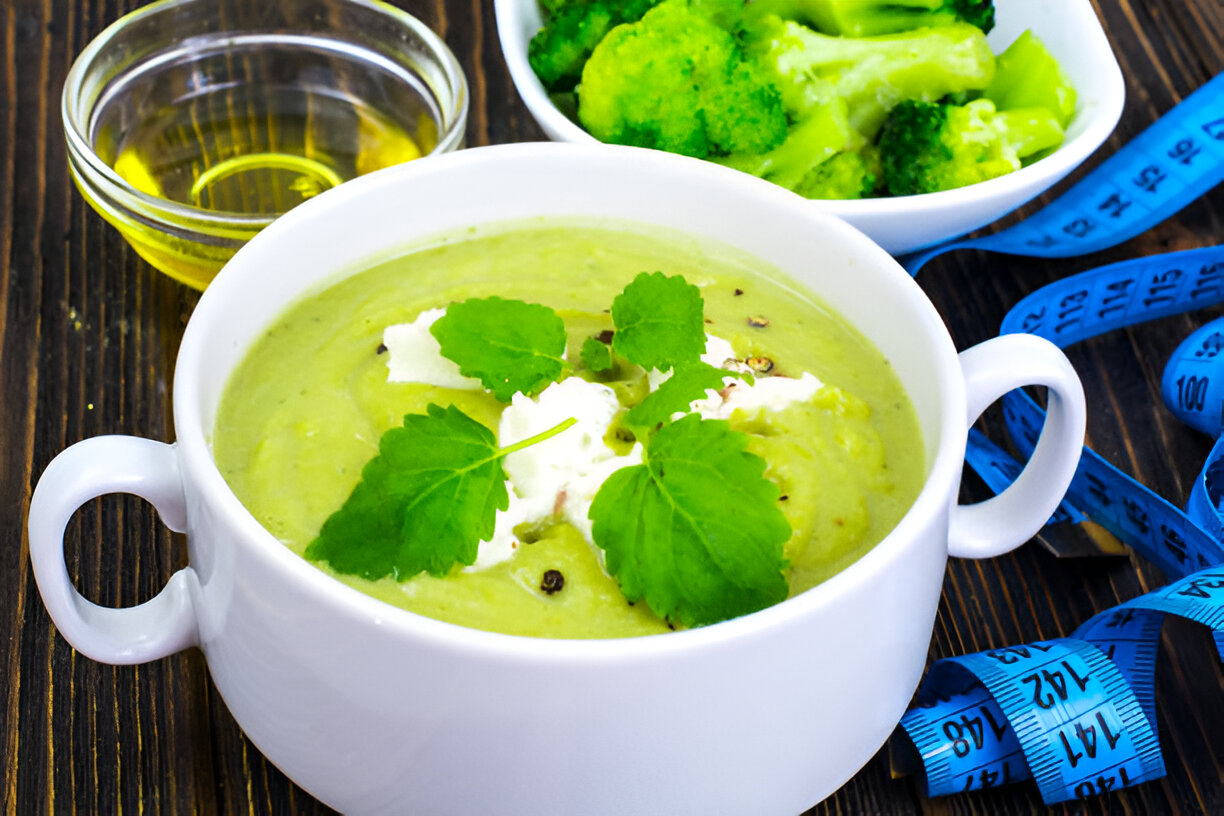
pixel 1028 76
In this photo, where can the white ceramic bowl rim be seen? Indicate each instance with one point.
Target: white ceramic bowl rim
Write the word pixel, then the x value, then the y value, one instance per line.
pixel 943 474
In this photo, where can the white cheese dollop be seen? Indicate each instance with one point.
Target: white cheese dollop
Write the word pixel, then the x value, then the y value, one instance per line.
pixel 718 352
pixel 414 356
pixel 765 394
pixel 561 475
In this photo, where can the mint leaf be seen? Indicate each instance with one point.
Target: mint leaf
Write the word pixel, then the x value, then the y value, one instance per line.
pixel 596 355
pixel 509 345
pixel 677 391
pixel 424 502
pixel 695 529
pixel 659 321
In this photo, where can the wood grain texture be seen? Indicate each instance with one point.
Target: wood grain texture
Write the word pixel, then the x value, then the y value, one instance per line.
pixel 88 337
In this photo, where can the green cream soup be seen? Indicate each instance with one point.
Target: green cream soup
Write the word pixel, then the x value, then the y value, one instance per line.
pixel 304 412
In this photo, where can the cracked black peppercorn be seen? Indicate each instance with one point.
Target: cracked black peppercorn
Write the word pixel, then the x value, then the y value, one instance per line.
pixel 552 582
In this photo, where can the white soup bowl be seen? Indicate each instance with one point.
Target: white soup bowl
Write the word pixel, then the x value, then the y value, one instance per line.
pixel 374 709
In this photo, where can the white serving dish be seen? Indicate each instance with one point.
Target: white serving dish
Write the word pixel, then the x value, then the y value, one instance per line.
pixel 1070 30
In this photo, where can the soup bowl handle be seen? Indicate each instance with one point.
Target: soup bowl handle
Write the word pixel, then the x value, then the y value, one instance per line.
pixel 111 464
pixel 991 369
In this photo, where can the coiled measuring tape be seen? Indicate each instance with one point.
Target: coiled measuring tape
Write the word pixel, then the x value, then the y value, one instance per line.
pixel 1078 714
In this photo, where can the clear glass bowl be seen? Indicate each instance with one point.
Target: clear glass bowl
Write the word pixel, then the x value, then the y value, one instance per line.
pixel 193 124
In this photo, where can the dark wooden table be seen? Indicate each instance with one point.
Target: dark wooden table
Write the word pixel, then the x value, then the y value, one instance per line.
pixel 88 337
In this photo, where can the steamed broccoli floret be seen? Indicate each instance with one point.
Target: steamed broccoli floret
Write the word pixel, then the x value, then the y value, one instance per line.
pixel 871 73
pixel 825 132
pixel 848 175
pixel 676 80
pixel 869 18
pixel 926 147
pixel 558 51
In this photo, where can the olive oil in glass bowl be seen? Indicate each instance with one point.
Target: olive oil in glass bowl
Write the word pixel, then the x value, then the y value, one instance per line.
pixel 192 124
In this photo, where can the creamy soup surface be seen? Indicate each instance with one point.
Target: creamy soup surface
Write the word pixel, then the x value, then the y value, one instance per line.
pixel 304 412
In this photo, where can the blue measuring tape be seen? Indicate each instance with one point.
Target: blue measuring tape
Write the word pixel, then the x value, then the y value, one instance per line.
pixel 1077 714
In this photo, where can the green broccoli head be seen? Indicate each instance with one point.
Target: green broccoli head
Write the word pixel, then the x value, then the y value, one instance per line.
pixel 871 73
pixel 869 18
pixel 927 147
pixel 823 133
pixel 848 175
pixel 676 80
pixel 558 51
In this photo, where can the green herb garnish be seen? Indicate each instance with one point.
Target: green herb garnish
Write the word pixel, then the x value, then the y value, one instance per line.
pixel 659 321
pixel 424 502
pixel 695 529
pixel 509 345
pixel 677 391
pixel 596 355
